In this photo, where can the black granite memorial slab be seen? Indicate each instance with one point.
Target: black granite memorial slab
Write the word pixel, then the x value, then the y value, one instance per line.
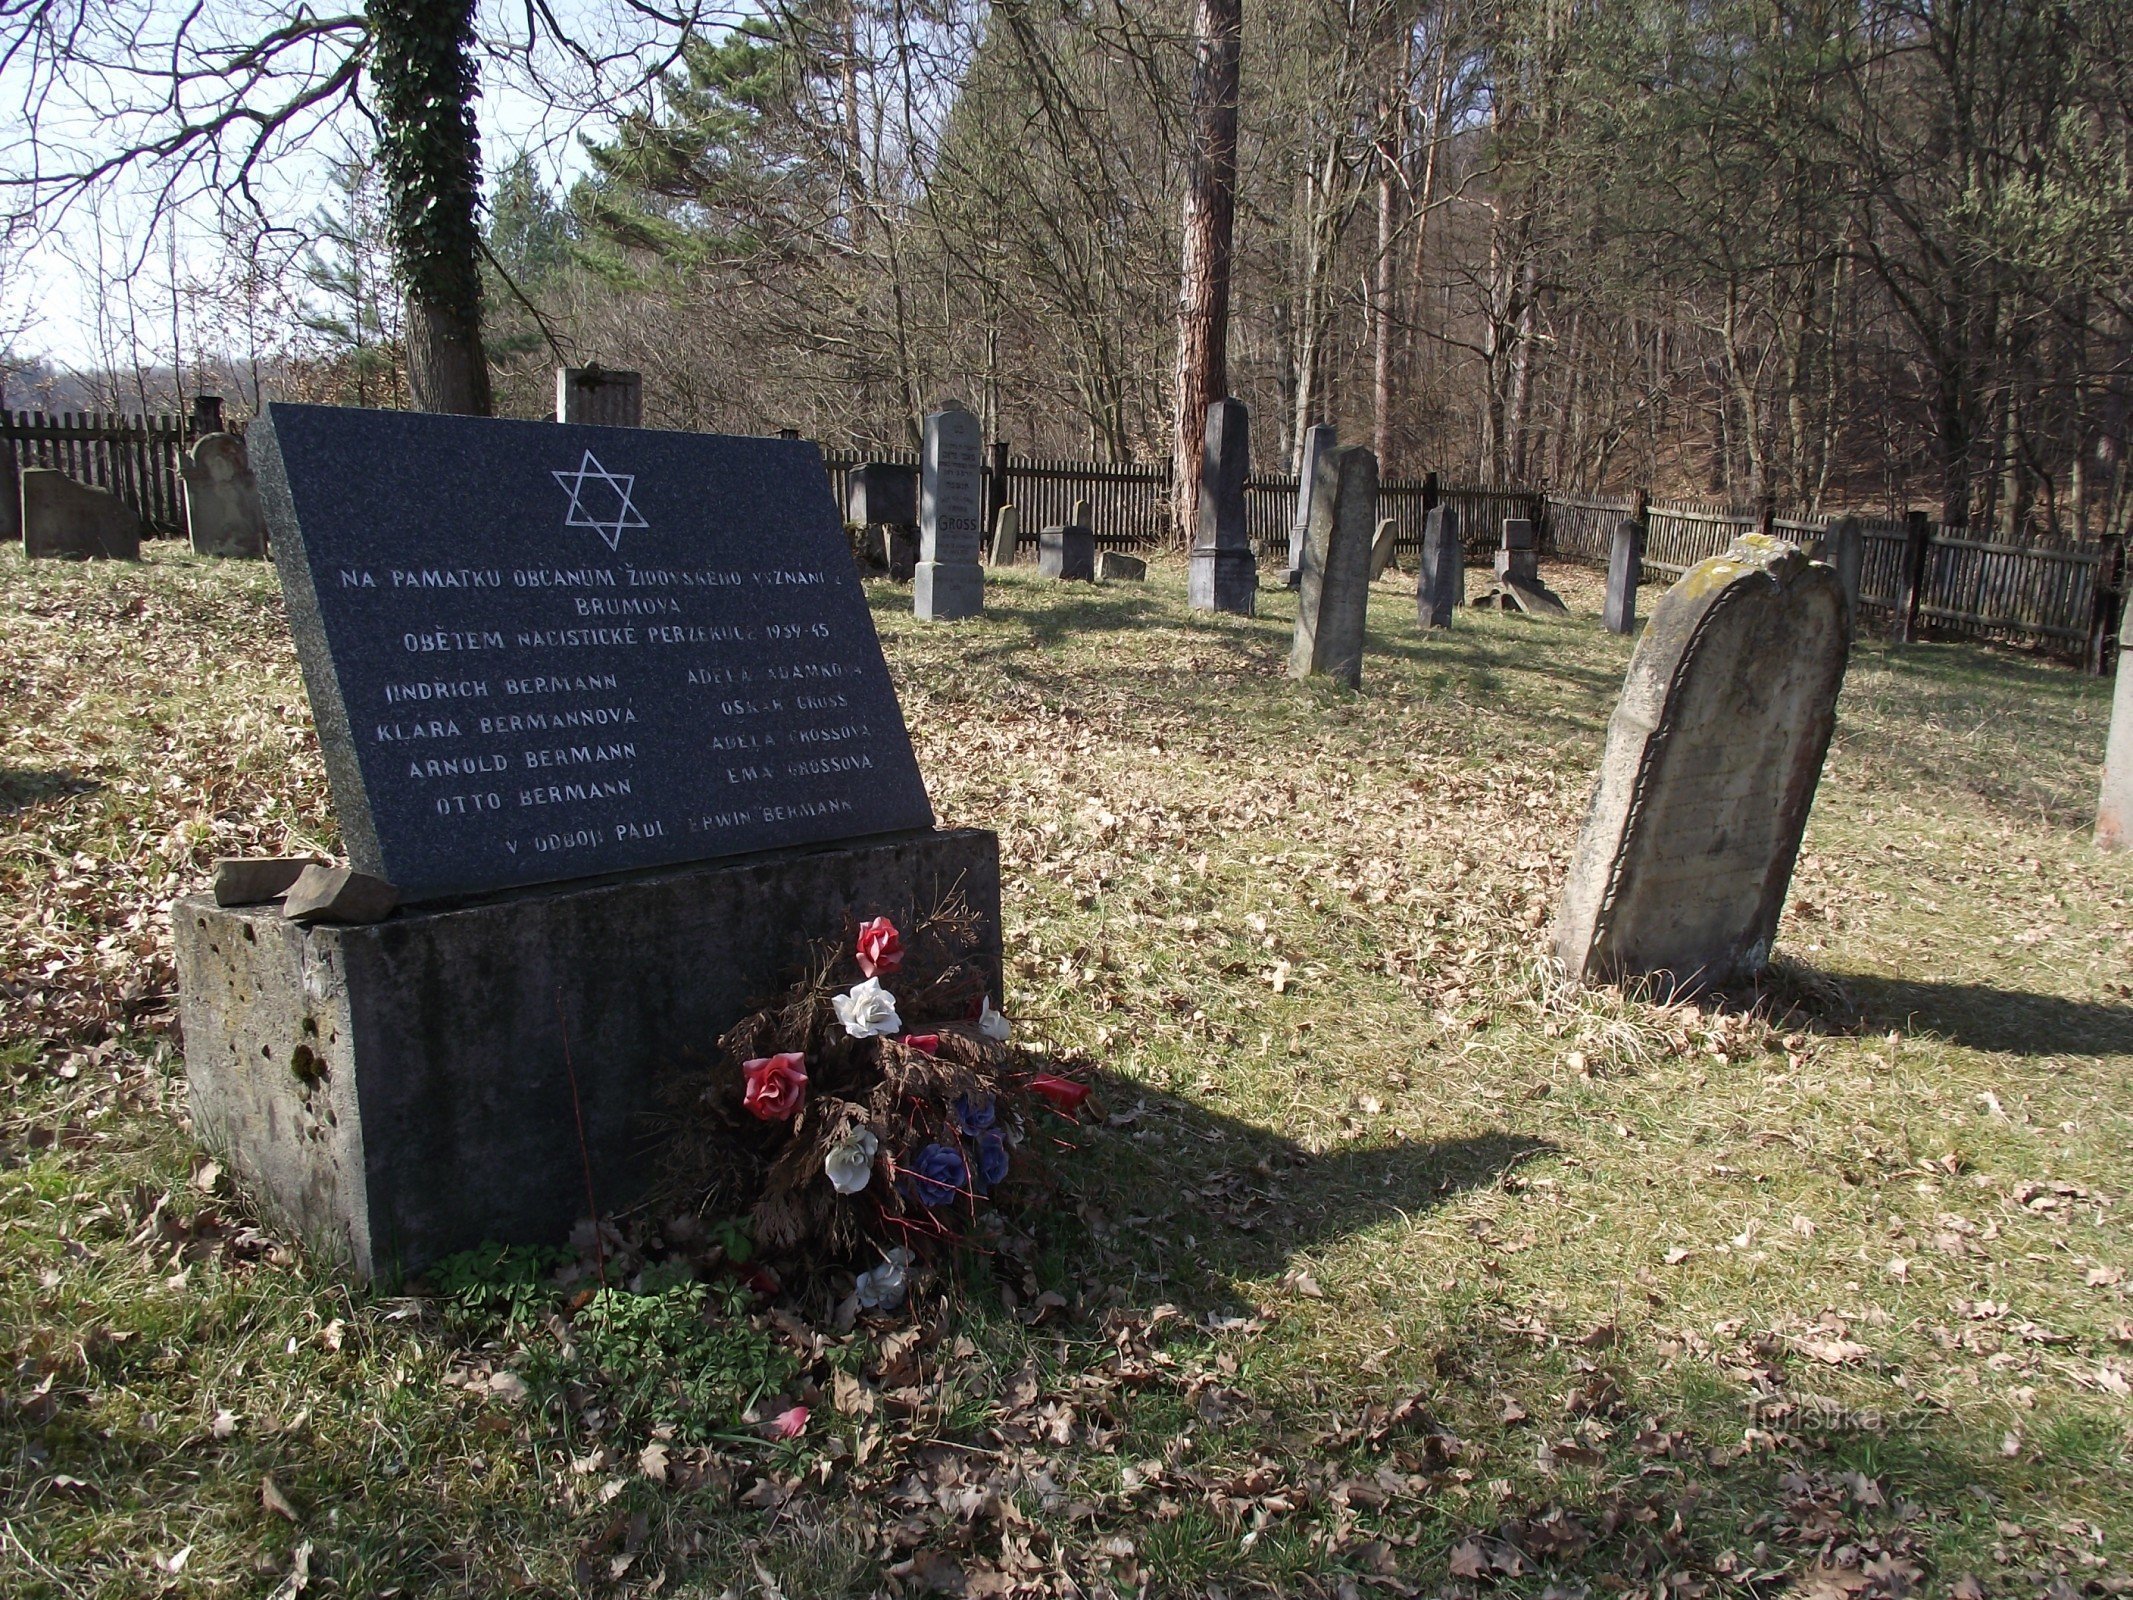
pixel 538 651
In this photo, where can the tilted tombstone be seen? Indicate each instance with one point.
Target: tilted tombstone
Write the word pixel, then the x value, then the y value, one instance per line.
pixel 1381 548
pixel 223 516
pixel 601 396
pixel 1222 574
pixel 2114 806
pixel 1442 588
pixel 1068 553
pixel 607 709
pixel 1333 598
pixel 1712 759
pixel 1006 536
pixel 1317 441
pixel 1625 570
pixel 948 583
pixel 70 521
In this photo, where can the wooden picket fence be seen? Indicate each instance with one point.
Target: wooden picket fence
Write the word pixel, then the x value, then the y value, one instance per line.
pixel 2036 594
pixel 138 457
pixel 2054 597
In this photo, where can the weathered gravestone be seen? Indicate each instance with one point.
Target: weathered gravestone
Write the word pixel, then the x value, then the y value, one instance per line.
pixel 1847 553
pixel 1006 536
pixel 1442 588
pixel 1519 554
pixel 948 583
pixel 602 396
pixel 1712 759
pixel 1625 570
pixel 70 521
pixel 882 496
pixel 1068 553
pixel 1222 574
pixel 607 709
pixel 1317 441
pixel 223 516
pixel 1518 585
pixel 2114 806
pixel 882 492
pixel 1333 599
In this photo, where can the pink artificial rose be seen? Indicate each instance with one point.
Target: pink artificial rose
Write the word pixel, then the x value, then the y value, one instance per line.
pixel 777 1085
pixel 1064 1094
pixel 926 1044
pixel 789 1424
pixel 881 947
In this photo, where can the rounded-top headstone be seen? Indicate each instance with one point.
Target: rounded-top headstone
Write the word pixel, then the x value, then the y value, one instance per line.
pixel 1711 764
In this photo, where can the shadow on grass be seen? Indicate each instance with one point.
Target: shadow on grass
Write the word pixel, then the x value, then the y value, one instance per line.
pixel 1981 1017
pixel 21 788
pixel 1191 1190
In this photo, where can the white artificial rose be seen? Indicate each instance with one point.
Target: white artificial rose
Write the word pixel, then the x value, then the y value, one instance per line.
pixel 882 1288
pixel 869 1009
pixel 991 1024
pixel 850 1162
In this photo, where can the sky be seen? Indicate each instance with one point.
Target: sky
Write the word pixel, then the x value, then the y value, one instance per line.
pixel 49 288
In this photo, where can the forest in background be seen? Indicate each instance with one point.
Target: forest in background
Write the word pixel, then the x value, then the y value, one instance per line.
pixel 1848 253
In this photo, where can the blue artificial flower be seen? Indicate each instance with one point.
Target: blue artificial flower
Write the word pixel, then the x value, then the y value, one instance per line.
pixel 975 1115
pixel 992 1156
pixel 937 1174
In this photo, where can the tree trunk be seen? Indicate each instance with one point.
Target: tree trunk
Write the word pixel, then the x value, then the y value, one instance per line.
pixel 1210 213
pixel 1382 288
pixel 422 61
pixel 447 368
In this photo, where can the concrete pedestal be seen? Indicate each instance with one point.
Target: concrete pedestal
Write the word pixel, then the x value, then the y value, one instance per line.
pixel 1221 579
pixel 945 592
pixel 397 1092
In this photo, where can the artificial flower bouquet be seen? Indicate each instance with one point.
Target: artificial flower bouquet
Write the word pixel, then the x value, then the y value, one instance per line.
pixel 875 1112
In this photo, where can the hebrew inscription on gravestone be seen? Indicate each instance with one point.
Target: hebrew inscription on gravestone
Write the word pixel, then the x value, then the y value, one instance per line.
pixel 539 651
pixel 1712 760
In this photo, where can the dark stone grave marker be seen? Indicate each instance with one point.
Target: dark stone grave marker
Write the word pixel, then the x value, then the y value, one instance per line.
pixel 539 652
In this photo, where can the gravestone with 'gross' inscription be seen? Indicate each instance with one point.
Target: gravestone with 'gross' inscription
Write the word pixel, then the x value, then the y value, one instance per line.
pixel 539 651
pixel 948 583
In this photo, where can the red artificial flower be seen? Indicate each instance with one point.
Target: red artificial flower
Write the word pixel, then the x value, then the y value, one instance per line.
pixel 789 1424
pixel 926 1044
pixel 881 947
pixel 1064 1094
pixel 777 1085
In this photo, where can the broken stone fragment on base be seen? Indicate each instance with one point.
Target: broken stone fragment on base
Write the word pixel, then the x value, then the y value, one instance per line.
pixel 247 881
pixel 1116 565
pixel 339 894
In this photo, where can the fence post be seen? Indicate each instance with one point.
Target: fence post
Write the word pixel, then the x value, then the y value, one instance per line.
pixel 207 414
pixel 1429 493
pixel 1917 536
pixel 2106 601
pixel 1766 515
pixel 996 485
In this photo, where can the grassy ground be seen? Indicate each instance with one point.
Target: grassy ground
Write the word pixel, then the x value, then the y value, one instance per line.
pixel 1394 1268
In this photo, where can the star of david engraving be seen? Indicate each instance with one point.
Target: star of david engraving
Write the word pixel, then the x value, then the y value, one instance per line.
pixel 609 489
